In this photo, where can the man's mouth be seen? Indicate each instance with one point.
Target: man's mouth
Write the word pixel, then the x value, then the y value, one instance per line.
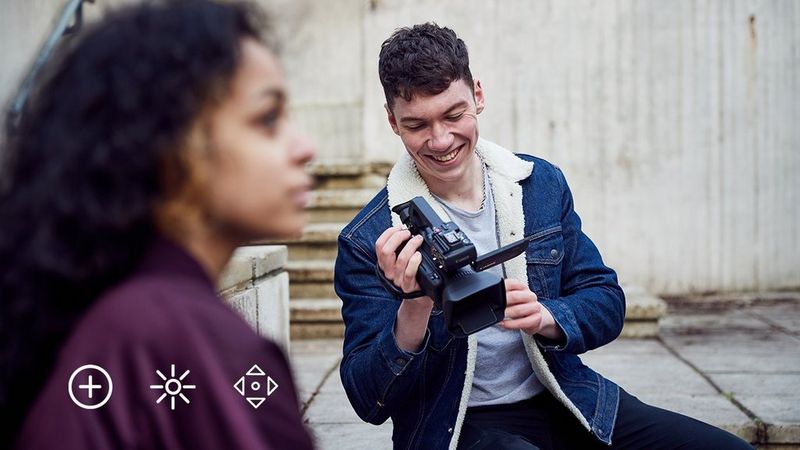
pixel 448 157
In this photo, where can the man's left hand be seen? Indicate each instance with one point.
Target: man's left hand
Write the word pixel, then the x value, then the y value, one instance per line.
pixel 524 312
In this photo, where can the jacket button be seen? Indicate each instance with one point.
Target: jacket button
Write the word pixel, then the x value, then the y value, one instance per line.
pixel 401 361
pixel 554 253
pixel 450 430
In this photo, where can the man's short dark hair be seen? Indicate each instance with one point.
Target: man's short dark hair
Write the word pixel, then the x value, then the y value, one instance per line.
pixel 423 59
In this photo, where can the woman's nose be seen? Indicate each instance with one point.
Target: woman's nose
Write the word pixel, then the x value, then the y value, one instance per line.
pixel 302 148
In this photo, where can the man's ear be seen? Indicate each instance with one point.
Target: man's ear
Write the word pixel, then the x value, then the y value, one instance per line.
pixel 478 96
pixel 392 119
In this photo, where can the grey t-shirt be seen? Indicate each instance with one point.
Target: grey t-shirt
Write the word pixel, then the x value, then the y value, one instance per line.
pixel 503 373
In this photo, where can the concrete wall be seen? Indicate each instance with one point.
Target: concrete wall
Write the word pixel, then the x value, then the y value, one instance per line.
pixel 675 122
pixel 23 27
pixel 256 284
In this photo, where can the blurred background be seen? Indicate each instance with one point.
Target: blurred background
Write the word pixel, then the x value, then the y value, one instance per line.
pixel 676 123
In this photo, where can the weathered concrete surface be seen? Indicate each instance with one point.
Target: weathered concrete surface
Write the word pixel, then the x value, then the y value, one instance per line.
pixel 643 311
pixel 256 285
pixel 737 368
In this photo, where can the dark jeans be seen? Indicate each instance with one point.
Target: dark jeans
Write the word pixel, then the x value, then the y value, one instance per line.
pixel 544 423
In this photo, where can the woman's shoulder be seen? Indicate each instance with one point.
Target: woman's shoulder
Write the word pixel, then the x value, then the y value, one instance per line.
pixel 157 312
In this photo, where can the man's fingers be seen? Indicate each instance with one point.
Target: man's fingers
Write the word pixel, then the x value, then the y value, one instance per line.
pixel 385 237
pixel 411 246
pixel 410 275
pixel 522 310
pixel 526 323
pixel 387 255
pixel 514 285
pixel 520 296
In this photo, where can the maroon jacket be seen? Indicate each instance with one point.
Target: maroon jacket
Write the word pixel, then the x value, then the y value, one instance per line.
pixel 167 313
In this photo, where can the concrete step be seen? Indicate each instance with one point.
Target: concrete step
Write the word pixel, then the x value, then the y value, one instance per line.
pixel 643 311
pixel 318 241
pixel 311 279
pixel 338 205
pixel 310 289
pixel 315 310
pixel 320 318
pixel 316 318
pixel 310 270
pixel 350 174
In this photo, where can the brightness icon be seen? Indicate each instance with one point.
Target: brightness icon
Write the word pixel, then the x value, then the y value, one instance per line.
pixel 172 386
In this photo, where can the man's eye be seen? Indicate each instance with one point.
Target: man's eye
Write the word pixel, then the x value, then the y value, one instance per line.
pixel 415 127
pixel 455 117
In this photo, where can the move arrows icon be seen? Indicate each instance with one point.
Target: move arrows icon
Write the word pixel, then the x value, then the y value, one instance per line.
pixel 253 380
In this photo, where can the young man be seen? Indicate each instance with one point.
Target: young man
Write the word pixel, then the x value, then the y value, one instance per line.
pixel 516 385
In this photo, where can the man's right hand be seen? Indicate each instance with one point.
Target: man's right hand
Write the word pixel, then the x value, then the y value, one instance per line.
pixel 401 269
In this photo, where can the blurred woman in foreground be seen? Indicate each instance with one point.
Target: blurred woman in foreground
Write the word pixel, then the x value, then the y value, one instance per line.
pixel 154 145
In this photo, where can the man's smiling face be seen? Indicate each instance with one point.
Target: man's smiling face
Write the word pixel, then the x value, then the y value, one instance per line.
pixel 440 131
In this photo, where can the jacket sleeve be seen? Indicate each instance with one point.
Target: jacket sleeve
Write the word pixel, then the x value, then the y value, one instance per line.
pixel 375 372
pixel 590 308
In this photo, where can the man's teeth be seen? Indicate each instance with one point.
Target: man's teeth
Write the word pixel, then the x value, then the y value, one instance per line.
pixel 446 157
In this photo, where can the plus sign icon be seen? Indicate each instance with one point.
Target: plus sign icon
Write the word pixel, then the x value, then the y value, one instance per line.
pixel 90 386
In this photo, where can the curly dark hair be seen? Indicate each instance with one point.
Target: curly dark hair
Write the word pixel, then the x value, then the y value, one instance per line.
pixel 82 171
pixel 424 59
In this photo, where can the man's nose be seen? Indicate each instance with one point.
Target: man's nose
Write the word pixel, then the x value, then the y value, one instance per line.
pixel 441 139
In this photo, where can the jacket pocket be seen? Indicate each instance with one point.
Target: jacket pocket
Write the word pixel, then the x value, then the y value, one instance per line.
pixel 544 255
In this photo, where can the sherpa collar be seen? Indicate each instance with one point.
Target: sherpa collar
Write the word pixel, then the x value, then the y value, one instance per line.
pixel 405 182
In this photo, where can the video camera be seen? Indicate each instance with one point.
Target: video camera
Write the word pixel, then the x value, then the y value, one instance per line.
pixel 451 272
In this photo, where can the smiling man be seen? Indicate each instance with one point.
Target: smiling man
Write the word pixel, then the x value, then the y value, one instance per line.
pixel 519 384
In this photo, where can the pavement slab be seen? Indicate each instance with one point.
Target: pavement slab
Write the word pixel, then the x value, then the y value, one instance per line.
pixel 649 371
pixel 736 368
pixel 352 436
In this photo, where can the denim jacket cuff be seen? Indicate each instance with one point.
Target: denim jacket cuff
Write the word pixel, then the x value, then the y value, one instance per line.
pixel 565 320
pixel 396 358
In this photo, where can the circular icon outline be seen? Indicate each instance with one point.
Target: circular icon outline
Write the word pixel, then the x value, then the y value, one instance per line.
pixel 81 369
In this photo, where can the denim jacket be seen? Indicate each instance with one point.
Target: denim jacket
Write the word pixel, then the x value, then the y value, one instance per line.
pixel 426 393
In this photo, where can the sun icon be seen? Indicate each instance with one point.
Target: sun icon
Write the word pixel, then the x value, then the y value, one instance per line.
pixel 172 387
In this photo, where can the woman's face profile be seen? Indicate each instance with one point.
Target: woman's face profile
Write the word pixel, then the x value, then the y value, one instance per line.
pixel 257 182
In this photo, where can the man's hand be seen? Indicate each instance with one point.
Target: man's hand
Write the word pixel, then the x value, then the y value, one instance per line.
pixel 412 317
pixel 524 312
pixel 400 268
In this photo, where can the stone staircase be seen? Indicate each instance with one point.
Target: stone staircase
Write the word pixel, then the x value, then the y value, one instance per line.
pixel 341 191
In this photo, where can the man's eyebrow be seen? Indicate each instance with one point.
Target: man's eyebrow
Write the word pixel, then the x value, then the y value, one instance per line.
pixel 457 105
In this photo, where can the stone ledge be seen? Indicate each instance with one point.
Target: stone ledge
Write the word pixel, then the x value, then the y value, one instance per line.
pixel 250 263
pixel 256 285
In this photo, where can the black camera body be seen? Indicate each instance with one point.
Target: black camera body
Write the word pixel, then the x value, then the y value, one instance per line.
pixel 451 272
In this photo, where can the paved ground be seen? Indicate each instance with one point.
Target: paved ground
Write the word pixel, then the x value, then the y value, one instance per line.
pixel 737 368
